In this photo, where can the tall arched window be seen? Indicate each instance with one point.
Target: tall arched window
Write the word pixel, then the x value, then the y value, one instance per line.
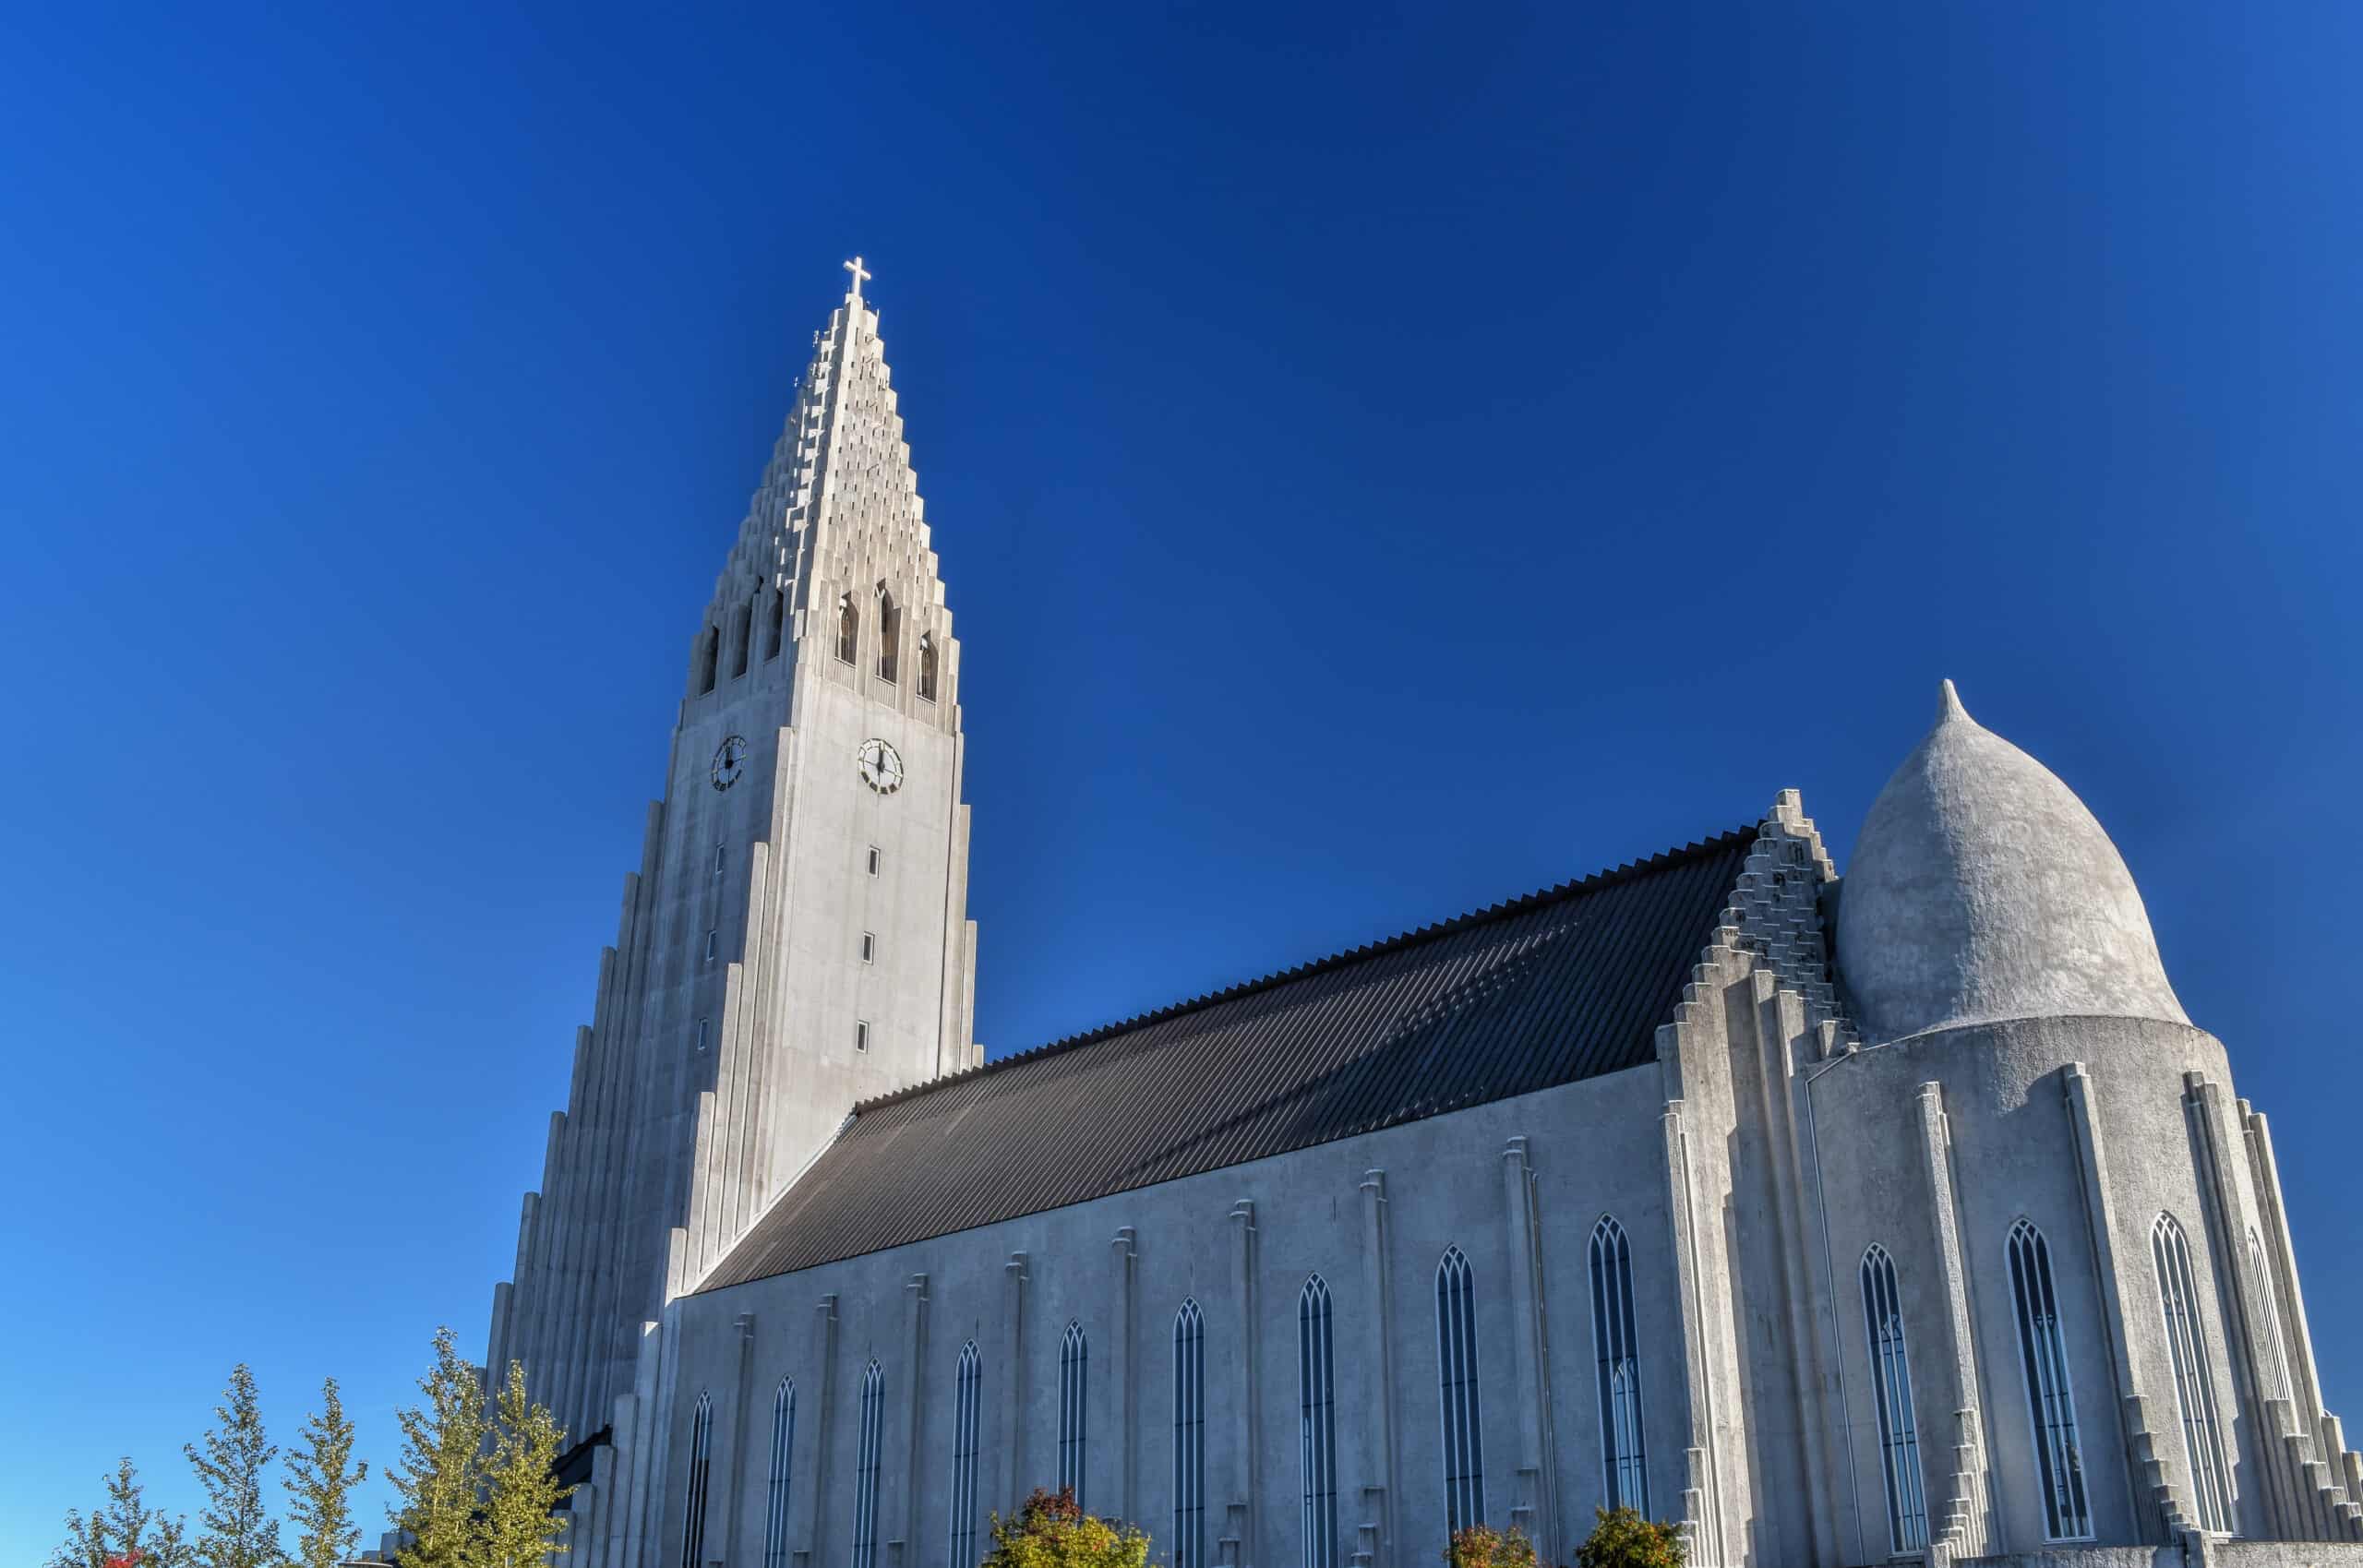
pixel 2276 1352
pixel 709 657
pixel 848 630
pixel 773 643
pixel 1074 1395
pixel 1907 1504
pixel 1317 1427
pixel 890 635
pixel 927 665
pixel 2203 1436
pixel 865 1468
pixel 746 638
pixel 2051 1402
pixel 775 1495
pixel 1464 1448
pixel 1189 1435
pixel 1624 1450
pixel 693 1507
pixel 970 1389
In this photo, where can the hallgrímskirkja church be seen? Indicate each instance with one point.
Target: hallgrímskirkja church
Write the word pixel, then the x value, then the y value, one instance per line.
pixel 1897 1215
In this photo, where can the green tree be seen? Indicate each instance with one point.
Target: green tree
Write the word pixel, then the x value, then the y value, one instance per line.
pixel 441 1470
pixel 233 1528
pixel 1622 1538
pixel 517 1527
pixel 1052 1531
pixel 1480 1546
pixel 321 1474
pixel 122 1532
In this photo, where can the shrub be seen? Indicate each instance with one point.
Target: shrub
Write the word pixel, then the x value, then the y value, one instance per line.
pixel 1622 1538
pixel 1480 1546
pixel 1052 1531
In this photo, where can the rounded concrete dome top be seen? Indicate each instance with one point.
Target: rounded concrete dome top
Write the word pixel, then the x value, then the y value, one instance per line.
pixel 1982 888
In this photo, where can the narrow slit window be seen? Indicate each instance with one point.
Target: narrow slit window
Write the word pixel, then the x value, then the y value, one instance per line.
pixel 865 1468
pixel 713 943
pixel 1614 1342
pixel 2051 1403
pixel 868 948
pixel 719 851
pixel 1318 1423
pixel 890 635
pixel 861 1035
pixel 1189 1437
pixel 965 1425
pixel 1464 1463
pixel 2202 1435
pixel 1074 1409
pixel 775 1494
pixel 705 1032
pixel 693 1506
pixel 875 858
pixel 1907 1504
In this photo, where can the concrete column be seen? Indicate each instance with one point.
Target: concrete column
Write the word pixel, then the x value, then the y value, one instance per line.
pixel 1379 1489
pixel 2100 1229
pixel 1532 1506
pixel 742 1399
pixel 1968 1520
pixel 1012 1360
pixel 913 1413
pixel 1125 1373
pixel 1238 1542
pixel 643 1480
pixel 1701 1496
pixel 812 1478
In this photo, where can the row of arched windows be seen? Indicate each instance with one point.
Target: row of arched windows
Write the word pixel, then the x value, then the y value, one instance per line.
pixel 1458 1404
pixel 890 641
pixel 710 644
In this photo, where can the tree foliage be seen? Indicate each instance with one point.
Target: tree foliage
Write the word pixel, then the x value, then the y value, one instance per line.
pixel 1481 1546
pixel 441 1469
pixel 1052 1531
pixel 321 1475
pixel 235 1530
pixel 1622 1538
pixel 516 1529
pixel 122 1532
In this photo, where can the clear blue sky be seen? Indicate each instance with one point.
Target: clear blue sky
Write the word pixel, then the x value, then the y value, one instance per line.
pixel 1381 463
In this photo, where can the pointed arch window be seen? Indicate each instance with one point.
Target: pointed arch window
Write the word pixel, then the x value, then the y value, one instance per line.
pixel 1907 1505
pixel 777 636
pixel 1074 1396
pixel 2051 1401
pixel 1189 1437
pixel 693 1506
pixel 865 1468
pixel 2202 1435
pixel 1624 1448
pixel 775 1491
pixel 890 635
pixel 709 657
pixel 1317 1424
pixel 746 638
pixel 970 1390
pixel 2276 1350
pixel 1464 1450
pixel 927 665
pixel 848 630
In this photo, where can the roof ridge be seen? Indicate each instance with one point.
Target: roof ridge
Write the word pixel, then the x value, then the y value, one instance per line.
pixel 1593 881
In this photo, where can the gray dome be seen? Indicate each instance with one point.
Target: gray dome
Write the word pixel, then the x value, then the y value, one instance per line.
pixel 1982 888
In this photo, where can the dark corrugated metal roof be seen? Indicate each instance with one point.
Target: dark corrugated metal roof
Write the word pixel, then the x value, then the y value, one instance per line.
pixel 1556 987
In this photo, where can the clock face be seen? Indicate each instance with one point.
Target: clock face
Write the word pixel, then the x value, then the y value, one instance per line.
pixel 729 762
pixel 882 766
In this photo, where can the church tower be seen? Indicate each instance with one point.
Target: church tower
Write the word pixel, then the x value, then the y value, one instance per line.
pixel 797 937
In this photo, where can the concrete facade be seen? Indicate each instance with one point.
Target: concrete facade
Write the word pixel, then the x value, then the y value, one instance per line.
pixel 1949 1237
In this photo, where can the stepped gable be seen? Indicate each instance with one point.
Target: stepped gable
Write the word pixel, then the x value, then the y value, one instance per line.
pixel 1563 984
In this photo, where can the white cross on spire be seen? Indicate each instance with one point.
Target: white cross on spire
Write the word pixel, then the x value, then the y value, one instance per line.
pixel 860 276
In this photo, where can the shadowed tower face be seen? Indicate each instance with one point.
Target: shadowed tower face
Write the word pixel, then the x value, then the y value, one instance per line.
pixel 796 939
